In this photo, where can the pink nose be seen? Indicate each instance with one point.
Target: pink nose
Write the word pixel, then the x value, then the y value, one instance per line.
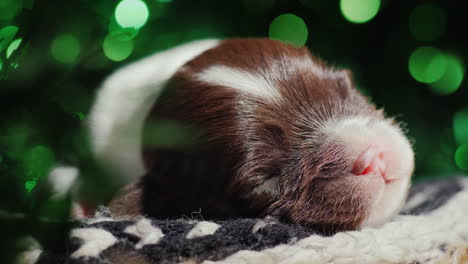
pixel 369 162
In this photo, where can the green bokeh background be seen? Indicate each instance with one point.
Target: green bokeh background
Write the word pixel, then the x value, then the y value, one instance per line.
pixel 54 54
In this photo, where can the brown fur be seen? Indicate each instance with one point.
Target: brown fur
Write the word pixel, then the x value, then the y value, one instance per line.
pixel 127 202
pixel 255 157
pixel 123 255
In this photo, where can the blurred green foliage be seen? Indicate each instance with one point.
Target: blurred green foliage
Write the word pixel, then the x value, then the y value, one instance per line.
pixel 408 56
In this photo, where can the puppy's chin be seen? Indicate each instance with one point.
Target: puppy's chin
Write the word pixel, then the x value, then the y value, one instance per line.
pixel 382 200
pixel 383 164
pixel 385 201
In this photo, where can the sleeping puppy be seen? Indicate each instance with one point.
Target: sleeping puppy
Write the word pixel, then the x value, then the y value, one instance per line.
pixel 272 130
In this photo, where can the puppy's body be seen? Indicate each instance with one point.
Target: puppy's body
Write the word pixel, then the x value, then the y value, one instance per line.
pixel 278 132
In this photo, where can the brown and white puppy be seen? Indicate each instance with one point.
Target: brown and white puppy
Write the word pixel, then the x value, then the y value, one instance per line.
pixel 278 132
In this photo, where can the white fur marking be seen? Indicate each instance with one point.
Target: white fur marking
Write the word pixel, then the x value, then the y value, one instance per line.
pixel 31 254
pixel 78 211
pixel 123 102
pixel 202 229
pixel 29 257
pixel 147 233
pixel 62 179
pixel 246 82
pixel 95 241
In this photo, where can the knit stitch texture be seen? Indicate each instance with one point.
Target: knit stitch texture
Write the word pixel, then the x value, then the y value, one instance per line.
pixel 431 228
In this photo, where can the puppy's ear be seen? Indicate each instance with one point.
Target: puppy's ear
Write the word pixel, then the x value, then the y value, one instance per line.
pixel 345 79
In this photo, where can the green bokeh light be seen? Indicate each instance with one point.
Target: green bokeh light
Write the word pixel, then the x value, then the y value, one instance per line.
pixel 29 185
pixel 460 126
pixel 131 13
pixel 427 22
pixel 452 77
pixel 123 33
pixel 461 156
pixel 427 64
pixel 359 11
pixel 289 28
pixel 13 46
pixel 7 34
pixel 1 64
pixel 117 48
pixel 37 162
pixel 65 48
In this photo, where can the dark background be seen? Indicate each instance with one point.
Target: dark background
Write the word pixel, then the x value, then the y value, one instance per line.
pixel 47 86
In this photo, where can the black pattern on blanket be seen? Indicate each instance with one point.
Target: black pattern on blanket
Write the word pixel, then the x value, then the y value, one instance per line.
pixel 432 228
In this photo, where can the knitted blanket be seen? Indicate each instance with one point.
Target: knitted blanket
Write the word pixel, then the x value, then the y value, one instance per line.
pixel 431 228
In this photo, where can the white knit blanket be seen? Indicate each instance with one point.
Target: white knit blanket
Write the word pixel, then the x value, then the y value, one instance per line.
pixel 432 228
